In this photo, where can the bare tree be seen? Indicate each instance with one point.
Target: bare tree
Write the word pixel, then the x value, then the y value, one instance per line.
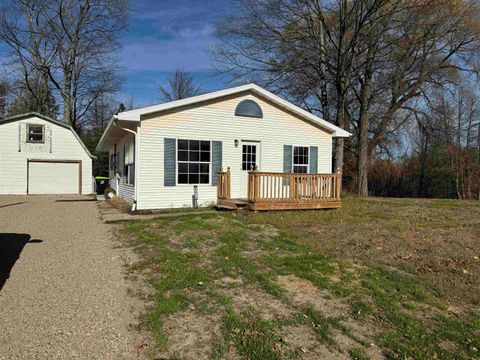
pixel 4 90
pixel 180 85
pixel 377 58
pixel 69 43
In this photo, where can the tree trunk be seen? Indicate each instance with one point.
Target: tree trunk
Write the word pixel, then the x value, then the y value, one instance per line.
pixel 457 150
pixel 478 164
pixel 323 77
pixel 340 142
pixel 363 143
pixel 338 157
pixel 423 162
pixel 363 155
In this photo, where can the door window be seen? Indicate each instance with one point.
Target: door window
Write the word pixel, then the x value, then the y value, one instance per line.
pixel 249 157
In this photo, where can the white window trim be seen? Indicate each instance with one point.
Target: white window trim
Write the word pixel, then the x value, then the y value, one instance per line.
pixel 293 157
pixel 209 164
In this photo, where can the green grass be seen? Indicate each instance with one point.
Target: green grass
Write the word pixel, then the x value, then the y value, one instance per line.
pixel 253 337
pixel 200 222
pixel 164 306
pixel 231 262
pixel 358 354
pixel 321 324
pixel 394 296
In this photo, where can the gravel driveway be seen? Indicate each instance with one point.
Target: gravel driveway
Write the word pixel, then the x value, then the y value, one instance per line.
pixel 63 294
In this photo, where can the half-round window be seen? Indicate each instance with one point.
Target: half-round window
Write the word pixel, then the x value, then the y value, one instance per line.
pixel 249 108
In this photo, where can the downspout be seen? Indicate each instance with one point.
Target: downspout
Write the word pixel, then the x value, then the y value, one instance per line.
pixel 134 206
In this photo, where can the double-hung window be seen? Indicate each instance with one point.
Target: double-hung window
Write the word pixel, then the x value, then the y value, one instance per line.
pixel 129 162
pixel 35 133
pixel 300 159
pixel 193 161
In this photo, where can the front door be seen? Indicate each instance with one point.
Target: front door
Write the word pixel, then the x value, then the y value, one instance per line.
pixel 249 159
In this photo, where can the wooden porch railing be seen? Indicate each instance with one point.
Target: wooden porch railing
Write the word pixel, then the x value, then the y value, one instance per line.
pixel 295 188
pixel 224 184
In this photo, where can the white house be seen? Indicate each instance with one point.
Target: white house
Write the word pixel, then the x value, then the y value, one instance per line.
pixel 40 155
pixel 162 155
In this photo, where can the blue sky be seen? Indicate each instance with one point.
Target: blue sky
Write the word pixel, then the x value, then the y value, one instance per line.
pixel 164 35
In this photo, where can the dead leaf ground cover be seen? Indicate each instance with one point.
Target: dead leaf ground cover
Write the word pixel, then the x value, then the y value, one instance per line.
pixel 379 278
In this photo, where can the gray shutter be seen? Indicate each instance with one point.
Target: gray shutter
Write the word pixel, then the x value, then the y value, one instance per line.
pixel 216 160
pixel 169 163
pixel 313 159
pixel 287 158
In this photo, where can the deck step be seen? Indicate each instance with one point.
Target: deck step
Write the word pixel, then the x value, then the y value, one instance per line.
pixel 225 207
pixel 239 203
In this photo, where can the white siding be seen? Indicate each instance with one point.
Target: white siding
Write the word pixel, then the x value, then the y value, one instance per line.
pixel 125 191
pixel 60 144
pixel 216 121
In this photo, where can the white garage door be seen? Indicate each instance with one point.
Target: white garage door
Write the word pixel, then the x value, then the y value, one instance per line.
pixel 53 177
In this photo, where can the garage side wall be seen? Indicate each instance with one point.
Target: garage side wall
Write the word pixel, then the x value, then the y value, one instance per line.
pixel 60 144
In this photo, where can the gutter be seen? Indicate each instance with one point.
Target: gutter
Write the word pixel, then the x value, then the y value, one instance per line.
pixel 135 133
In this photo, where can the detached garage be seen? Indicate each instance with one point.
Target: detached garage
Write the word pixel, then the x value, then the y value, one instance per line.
pixel 40 155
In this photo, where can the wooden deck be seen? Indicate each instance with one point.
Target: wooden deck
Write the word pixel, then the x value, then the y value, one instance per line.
pixel 282 191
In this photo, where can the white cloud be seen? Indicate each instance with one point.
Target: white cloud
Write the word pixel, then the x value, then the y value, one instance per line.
pixel 187 49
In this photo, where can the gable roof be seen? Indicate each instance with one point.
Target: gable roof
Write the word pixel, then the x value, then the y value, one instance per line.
pixel 135 115
pixel 49 119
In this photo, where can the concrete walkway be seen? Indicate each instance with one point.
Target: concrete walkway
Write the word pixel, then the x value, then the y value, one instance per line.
pixel 111 214
pixel 63 294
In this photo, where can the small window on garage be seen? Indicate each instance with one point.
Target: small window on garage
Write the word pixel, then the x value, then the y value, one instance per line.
pixel 35 133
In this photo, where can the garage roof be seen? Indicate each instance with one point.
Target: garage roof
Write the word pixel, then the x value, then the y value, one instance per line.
pixel 49 119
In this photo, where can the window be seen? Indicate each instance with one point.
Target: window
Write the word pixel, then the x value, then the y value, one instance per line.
pixel 249 157
pixel 300 159
pixel 249 108
pixel 129 163
pixel 113 162
pixel 130 174
pixel 193 158
pixel 35 133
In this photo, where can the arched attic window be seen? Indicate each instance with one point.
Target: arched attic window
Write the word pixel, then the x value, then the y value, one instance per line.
pixel 249 108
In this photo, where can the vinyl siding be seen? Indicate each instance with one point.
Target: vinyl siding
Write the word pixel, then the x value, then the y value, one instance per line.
pixel 216 121
pixel 124 191
pixel 13 164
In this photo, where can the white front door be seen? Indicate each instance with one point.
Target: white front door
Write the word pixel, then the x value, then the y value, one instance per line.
pixel 249 158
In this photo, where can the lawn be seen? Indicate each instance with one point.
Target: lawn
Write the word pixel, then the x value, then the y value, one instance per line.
pixel 379 278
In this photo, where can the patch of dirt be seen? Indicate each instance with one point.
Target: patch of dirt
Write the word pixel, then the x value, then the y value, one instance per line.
pixel 229 282
pixel 119 204
pixel 265 231
pixel 303 292
pixel 304 338
pixel 190 335
pixel 249 298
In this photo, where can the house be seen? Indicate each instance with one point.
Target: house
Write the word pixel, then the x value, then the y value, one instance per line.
pixel 40 155
pixel 177 154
